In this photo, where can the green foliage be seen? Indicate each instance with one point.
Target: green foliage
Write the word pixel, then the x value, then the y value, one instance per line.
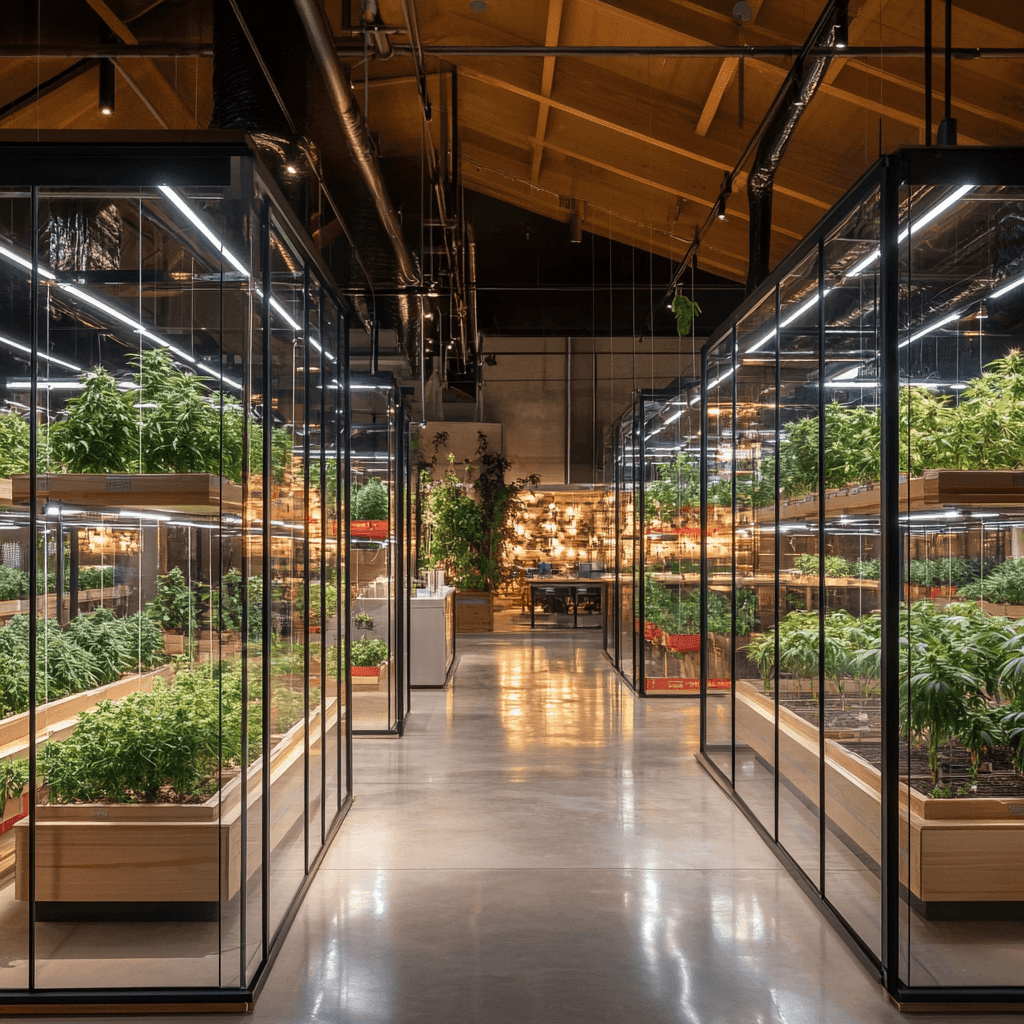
pixel 226 602
pixel 456 533
pixel 1003 584
pixel 835 566
pixel 174 737
pixel 363 621
pixel 14 444
pixel 677 490
pixel 100 432
pixel 13 779
pixel 680 613
pixel 366 652
pixel 13 583
pixel 372 501
pixel 686 311
pixel 174 606
pixel 331 596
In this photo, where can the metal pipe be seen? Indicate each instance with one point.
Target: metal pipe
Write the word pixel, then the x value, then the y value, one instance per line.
pixel 800 91
pixel 947 126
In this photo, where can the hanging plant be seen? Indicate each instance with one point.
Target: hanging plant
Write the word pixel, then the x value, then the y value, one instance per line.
pixel 686 311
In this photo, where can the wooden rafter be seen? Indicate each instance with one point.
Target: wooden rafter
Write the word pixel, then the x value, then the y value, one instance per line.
pixel 724 78
pixel 547 79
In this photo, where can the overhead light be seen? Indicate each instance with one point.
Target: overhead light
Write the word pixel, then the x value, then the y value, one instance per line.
pixel 107 97
pixel 841 35
pixel 291 169
pixel 193 215
pixel 936 211
pixel 13 257
pixel 42 355
pixel 157 517
pixel 673 417
pixel 932 327
pixel 1009 287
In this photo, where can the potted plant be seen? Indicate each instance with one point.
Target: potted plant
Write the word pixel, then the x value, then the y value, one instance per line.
pixel 471 531
pixel 368 657
pixel 174 609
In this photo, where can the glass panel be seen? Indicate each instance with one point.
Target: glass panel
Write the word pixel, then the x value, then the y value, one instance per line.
pixel 755 560
pixel 289 653
pixel 672 544
pixel 961 376
pixel 799 554
pixel 374 674
pixel 627 527
pixel 721 467
pixel 852 549
pixel 16 585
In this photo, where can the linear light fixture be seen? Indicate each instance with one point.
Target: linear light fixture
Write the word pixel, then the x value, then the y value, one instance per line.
pixel 795 315
pixel 932 327
pixel 1015 283
pixel 42 355
pixel 673 417
pixel 179 201
pixel 936 211
pixel 157 517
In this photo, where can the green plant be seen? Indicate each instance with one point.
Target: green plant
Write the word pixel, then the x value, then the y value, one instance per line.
pixel 14 444
pixel 174 737
pixel 686 311
pixel 676 489
pixel 367 652
pixel 330 592
pixel 372 501
pixel 835 566
pixel 174 606
pixel 14 778
pixel 1004 583
pixel 363 621
pixel 100 432
pixel 13 583
pixel 226 602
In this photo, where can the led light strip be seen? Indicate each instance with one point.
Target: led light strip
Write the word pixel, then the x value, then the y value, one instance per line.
pixel 42 355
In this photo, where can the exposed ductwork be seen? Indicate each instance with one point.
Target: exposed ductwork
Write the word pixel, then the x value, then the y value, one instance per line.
pixel 339 91
pixel 296 121
pixel 772 148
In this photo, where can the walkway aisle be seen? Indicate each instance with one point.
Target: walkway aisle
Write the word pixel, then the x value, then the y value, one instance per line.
pixel 543 847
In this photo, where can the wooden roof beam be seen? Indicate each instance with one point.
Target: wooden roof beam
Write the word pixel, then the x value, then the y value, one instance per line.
pixel 726 73
pixel 547 78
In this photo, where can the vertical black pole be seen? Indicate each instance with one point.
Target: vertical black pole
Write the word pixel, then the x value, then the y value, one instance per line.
pixel 58 576
pixel 927 72
pixel 778 544
pixel 33 569
pixel 346 361
pixel 703 549
pixel 890 576
pixel 303 368
pixel 74 550
pixel 268 485
pixel 734 364
pixel 639 483
pixel 947 127
pixel 821 565
pixel 322 434
pixel 399 563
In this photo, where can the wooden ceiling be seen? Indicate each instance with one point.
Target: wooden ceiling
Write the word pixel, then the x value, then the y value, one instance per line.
pixel 642 141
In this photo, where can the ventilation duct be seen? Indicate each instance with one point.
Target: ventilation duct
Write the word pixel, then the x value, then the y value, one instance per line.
pixel 83 235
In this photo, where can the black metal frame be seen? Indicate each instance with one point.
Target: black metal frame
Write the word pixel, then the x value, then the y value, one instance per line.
pixel 918 166
pixel 216 160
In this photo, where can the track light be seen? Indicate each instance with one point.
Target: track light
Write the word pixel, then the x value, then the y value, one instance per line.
pixel 107 87
pixel 576 221
pixel 841 36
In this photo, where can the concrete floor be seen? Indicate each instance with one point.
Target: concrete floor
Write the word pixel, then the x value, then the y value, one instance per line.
pixel 541 846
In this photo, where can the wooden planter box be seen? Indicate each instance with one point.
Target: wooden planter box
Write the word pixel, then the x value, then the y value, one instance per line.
pixel 88 600
pixel 474 611
pixel 956 851
pixel 372 677
pixel 163 853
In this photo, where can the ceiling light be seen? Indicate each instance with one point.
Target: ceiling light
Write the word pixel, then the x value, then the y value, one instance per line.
pixel 193 216
pixel 107 98
pixel 841 36
pixel 292 169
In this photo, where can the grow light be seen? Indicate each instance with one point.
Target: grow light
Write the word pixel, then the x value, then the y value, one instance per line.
pixel 42 355
pixel 932 327
pixel 193 215
pixel 157 517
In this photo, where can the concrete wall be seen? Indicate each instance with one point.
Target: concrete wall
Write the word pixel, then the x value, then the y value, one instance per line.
pixel 554 397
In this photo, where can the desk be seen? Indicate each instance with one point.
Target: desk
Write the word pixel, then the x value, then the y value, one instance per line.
pixel 573 589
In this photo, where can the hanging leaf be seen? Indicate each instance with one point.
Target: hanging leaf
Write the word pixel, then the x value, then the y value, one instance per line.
pixel 686 311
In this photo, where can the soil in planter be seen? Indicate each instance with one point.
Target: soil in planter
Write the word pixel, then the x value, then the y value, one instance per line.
pixel 1003 781
pixel 856 714
pixel 166 794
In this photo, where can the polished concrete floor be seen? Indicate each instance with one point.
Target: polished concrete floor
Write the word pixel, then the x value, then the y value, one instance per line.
pixel 541 846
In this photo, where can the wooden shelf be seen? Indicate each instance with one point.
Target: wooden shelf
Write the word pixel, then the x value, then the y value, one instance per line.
pixel 185 493
pixel 935 489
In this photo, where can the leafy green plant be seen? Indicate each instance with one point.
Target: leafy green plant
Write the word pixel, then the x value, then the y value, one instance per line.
pixel 174 737
pixel 13 583
pixel 676 489
pixel 330 592
pixel 363 621
pixel 367 652
pixel 1004 583
pixel 372 501
pixel 686 311
pixel 14 444
pixel 174 606
pixel 14 778
pixel 100 432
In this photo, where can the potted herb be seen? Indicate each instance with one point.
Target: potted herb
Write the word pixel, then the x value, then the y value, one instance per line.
pixel 370 511
pixel 368 657
pixel 363 621
pixel 174 609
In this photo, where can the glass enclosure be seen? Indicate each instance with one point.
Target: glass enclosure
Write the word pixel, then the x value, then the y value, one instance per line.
pixel 175 717
pixel 863 459
pixel 379 489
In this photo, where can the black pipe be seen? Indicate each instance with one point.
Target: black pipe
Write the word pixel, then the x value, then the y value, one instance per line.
pixel 374 345
pixel 928 72
pixel 947 127
pixel 772 148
